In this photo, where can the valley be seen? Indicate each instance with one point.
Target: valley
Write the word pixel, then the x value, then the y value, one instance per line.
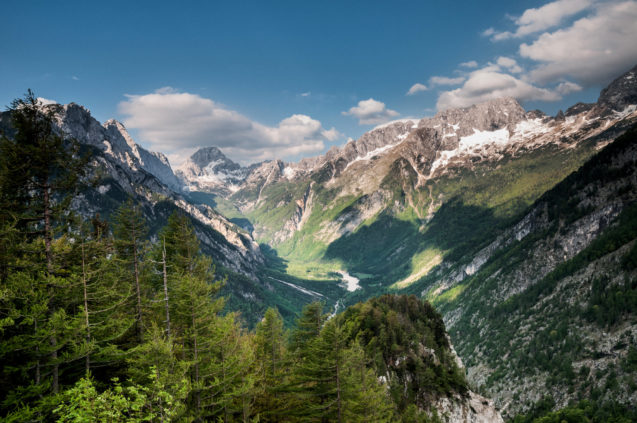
pixel 318 212
pixel 518 227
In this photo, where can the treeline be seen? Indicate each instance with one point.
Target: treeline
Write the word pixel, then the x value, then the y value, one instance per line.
pixel 98 323
pixel 581 412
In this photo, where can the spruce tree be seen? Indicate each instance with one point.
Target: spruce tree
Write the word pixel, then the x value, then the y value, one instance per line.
pixel 105 296
pixel 271 366
pixel 39 172
pixel 130 232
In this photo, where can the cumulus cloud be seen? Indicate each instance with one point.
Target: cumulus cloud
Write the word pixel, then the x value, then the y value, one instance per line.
pixel 542 18
pixel 565 54
pixel 178 123
pixel 489 83
pixel 510 64
pixel 548 16
pixel 371 112
pixel 444 80
pixel 416 88
pixel 470 64
pixel 568 87
pixel 592 50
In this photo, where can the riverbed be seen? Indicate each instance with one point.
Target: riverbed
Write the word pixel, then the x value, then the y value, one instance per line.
pixel 352 282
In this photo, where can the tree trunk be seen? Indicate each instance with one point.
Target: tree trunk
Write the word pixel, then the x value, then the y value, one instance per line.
pixel 48 236
pixel 86 319
pixel 137 287
pixel 196 360
pixel 338 391
pixel 166 304
pixel 37 354
pixel 48 251
pixel 223 378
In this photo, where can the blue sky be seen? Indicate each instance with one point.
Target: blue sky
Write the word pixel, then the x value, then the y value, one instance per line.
pixel 284 79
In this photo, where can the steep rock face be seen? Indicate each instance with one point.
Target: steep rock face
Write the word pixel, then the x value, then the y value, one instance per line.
pixel 472 409
pixel 209 170
pixel 125 169
pixel 537 314
pixel 621 93
pixel 113 139
pixel 261 176
pixel 403 336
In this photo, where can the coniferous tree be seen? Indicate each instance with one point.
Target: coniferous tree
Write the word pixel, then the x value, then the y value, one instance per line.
pixel 130 232
pixel 105 296
pixel 39 172
pixel 271 366
pixel 158 366
pixel 308 327
pixel 321 374
pixel 228 373
pixel 365 398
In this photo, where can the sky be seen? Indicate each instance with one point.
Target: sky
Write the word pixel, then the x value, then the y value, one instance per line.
pixel 290 79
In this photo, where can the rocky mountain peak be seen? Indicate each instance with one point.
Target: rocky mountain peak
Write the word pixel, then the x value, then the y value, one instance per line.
pixel 488 116
pixel 206 155
pixel 118 131
pixel 209 169
pixel 620 93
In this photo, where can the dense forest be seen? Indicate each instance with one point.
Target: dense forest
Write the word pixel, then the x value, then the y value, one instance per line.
pixel 100 323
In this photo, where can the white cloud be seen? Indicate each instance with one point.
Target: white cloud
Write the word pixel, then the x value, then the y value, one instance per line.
pixel 499 36
pixel 443 80
pixel 548 16
pixel 540 19
pixel 371 112
pixel 489 83
pixel 417 87
pixel 75 78
pixel 510 64
pixel 176 123
pixel 568 87
pixel 470 64
pixel 592 50
pixel 584 52
pixel 306 94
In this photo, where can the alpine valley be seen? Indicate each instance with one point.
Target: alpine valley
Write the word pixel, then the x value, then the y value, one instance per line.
pixel 518 229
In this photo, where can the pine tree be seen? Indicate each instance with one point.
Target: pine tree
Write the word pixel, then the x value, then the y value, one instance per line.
pixel 271 360
pixel 130 232
pixel 105 296
pixel 156 366
pixel 365 398
pixel 39 172
pixel 227 375
pixel 321 374
pixel 308 327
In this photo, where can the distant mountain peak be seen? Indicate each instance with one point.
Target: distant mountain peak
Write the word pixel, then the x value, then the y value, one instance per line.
pixel 206 155
pixel 208 168
pixel 620 93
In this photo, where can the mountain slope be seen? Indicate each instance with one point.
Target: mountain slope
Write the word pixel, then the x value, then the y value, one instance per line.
pixel 120 169
pixel 414 198
pixel 552 309
pixel 406 343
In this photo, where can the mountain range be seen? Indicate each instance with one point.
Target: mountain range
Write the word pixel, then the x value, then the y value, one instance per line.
pixel 519 227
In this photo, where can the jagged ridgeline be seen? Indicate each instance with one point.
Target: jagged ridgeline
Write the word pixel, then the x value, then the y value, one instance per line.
pixel 552 311
pixel 517 226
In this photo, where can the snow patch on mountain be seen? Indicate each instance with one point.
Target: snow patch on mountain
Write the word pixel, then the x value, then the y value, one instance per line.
pixel 414 123
pixel 472 143
pixel 375 152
